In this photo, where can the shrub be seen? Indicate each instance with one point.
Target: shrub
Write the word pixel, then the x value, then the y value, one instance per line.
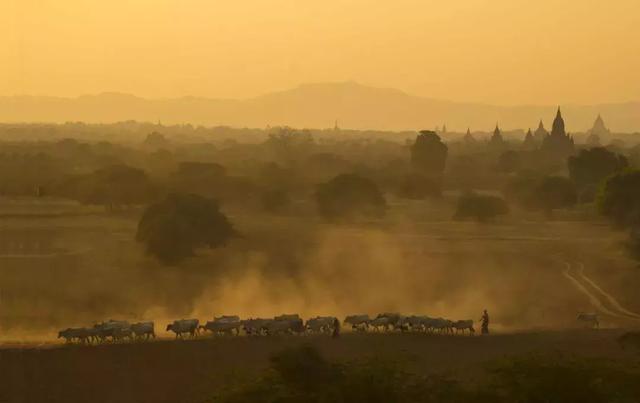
pixel 348 196
pixel 480 207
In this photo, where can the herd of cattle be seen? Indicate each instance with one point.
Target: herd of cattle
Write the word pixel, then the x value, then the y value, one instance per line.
pixel 119 330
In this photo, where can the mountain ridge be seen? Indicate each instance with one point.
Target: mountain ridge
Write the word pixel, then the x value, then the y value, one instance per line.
pixel 313 105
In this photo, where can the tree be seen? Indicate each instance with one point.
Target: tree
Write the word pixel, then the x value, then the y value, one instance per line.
pixel 619 198
pixel 275 200
pixel 521 188
pixel 348 196
pixel 417 187
pixel 509 161
pixel 428 154
pixel 590 167
pixel 480 207
pixel 112 186
pixel 289 145
pixel 173 228
pixel 554 192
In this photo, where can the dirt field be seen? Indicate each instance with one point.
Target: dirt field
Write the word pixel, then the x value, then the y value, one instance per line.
pixel 532 276
pixel 191 371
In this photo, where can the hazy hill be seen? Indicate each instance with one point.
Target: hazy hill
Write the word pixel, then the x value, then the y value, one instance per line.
pixel 316 106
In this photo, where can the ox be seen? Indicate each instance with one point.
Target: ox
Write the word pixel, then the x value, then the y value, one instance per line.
pixel 184 326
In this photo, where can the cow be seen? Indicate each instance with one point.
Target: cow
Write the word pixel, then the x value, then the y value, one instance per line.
pixel 284 324
pixel 143 330
pixel 381 323
pixel 416 323
pixel 389 320
pixel 590 319
pixel 117 330
pixel 320 324
pixel 462 325
pixel 358 322
pixel 80 334
pixel 255 327
pixel 227 319
pixel 293 316
pixel 441 325
pixel 184 326
pixel 222 327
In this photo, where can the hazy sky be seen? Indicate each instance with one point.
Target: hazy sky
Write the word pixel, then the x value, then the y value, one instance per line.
pixel 494 51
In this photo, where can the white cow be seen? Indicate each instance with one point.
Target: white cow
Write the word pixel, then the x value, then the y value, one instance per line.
pixel 143 330
pixel 463 325
pixel 255 327
pixel 183 326
pixel 293 316
pixel 117 330
pixel 358 322
pixel 81 335
pixel 223 327
pixel 441 325
pixel 381 323
pixel 389 320
pixel 227 319
pixel 320 324
pixel 590 319
pixel 284 326
pixel 417 323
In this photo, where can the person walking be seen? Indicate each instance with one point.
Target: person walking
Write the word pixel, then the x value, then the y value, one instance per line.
pixel 336 328
pixel 484 320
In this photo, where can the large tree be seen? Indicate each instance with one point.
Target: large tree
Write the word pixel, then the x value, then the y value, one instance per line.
pixel 349 196
pixel 554 192
pixel 175 227
pixel 428 154
pixel 591 167
pixel 112 186
pixel 620 198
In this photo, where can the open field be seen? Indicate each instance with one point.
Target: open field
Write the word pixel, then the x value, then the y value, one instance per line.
pixel 93 270
pixel 533 277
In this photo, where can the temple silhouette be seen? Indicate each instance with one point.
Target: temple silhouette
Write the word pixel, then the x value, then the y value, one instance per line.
pixel 497 141
pixel 559 142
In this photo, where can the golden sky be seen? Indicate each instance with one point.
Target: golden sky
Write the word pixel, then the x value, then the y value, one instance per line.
pixel 493 51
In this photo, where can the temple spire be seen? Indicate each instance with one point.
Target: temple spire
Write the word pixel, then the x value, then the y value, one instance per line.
pixel 558 125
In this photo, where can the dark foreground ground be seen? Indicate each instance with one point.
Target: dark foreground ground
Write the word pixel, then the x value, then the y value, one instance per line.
pixel 192 371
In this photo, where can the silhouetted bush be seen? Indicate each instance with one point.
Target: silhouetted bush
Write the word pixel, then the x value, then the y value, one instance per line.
pixel 554 192
pixel 172 229
pixel 591 167
pixel 480 207
pixel 349 196
pixel 112 186
pixel 275 200
pixel 416 186
pixel 619 199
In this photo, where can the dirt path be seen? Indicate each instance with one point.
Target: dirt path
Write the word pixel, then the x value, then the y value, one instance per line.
pixel 602 301
pixel 610 299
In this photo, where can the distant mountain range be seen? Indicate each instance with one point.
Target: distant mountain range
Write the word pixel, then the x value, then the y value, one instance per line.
pixel 354 106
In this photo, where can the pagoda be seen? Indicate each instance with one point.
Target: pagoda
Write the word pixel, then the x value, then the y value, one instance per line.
pixel 468 138
pixel 541 133
pixel 529 142
pixel 558 143
pixel 599 127
pixel 497 141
